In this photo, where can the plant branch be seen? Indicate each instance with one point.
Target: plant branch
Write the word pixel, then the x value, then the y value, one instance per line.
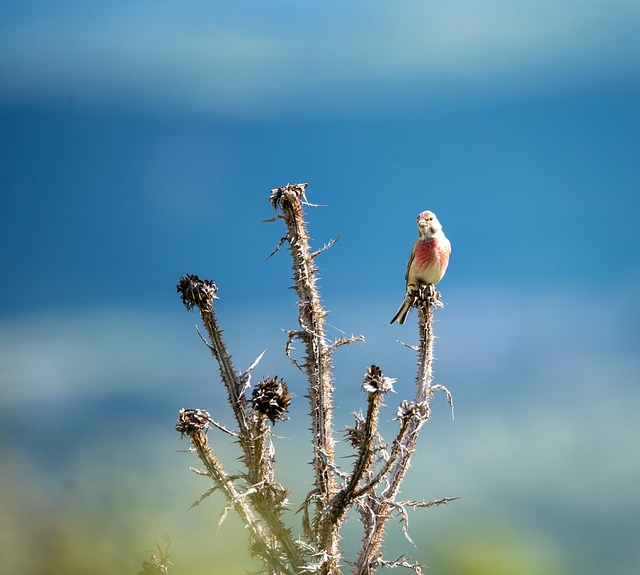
pixel 252 427
pixel 371 486
pixel 195 292
pixel 376 385
pixel 412 416
pixel 317 365
pixel 194 423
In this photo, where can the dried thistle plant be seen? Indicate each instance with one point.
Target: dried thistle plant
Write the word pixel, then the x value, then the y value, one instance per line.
pixel 371 486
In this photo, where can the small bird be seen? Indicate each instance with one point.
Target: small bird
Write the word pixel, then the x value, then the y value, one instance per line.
pixel 428 260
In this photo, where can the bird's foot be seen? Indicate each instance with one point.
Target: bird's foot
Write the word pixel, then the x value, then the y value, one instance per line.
pixel 427 295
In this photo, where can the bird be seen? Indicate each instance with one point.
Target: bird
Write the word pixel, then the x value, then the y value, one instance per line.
pixel 428 260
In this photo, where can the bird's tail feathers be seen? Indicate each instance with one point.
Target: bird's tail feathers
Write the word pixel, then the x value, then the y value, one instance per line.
pixel 403 310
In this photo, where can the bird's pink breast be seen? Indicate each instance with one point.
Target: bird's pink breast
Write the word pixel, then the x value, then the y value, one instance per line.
pixel 426 253
pixel 430 262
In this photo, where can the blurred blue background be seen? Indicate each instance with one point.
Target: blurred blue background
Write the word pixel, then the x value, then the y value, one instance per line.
pixel 139 141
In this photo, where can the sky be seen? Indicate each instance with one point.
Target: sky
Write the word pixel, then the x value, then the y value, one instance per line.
pixel 140 142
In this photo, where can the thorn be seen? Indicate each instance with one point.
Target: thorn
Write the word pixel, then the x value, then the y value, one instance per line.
pixel 246 376
pixel 256 362
pixel 284 239
pixel 326 246
pixel 347 341
pixel 441 387
pixel 412 347
pixel 223 428
pixel 204 495
pixel 204 340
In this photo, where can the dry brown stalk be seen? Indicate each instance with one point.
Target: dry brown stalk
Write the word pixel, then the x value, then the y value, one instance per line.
pixel 373 483
pixel 412 416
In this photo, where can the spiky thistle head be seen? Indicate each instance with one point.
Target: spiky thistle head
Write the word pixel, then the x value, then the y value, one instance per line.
pixel 278 194
pixel 195 292
pixel 408 410
pixel 192 421
pixel 156 564
pixel 271 398
pixel 375 382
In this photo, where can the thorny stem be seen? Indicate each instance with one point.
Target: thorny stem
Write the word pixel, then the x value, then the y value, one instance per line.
pixel 258 537
pixel 374 483
pixel 428 300
pixel 232 382
pixel 412 416
pixel 376 385
pixel 252 440
pixel 396 451
pixel 363 463
pixel 318 352
pixel 262 488
pixel 269 497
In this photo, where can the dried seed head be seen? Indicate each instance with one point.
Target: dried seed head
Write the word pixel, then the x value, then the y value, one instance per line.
pixel 156 564
pixel 271 398
pixel 196 292
pixel 427 295
pixel 375 382
pixel 408 410
pixel 277 194
pixel 192 420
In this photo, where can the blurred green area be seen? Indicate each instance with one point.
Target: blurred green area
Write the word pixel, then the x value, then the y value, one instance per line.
pixel 496 550
pixel 112 520
pixel 125 492
pixel 543 454
pixel 132 139
pixel 109 517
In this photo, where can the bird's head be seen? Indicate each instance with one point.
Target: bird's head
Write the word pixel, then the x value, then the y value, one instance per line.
pixel 428 224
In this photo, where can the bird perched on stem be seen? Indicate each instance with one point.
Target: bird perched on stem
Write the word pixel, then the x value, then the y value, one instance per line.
pixel 428 260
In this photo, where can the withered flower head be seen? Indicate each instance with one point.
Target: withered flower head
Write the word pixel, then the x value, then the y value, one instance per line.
pixel 192 420
pixel 375 382
pixel 408 410
pixel 426 295
pixel 276 194
pixel 156 564
pixel 196 292
pixel 271 398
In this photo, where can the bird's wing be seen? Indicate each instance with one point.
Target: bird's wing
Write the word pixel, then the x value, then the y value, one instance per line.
pixel 411 256
pixel 447 246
